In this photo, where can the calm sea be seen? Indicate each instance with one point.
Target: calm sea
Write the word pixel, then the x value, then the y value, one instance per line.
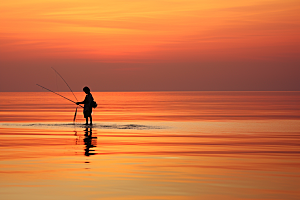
pixel 151 145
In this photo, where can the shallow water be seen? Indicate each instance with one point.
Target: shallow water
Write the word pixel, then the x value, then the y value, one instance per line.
pixel 151 145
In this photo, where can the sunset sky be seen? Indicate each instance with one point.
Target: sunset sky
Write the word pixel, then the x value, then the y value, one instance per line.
pixel 150 45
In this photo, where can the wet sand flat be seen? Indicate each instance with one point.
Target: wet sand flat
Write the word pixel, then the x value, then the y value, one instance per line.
pixel 151 145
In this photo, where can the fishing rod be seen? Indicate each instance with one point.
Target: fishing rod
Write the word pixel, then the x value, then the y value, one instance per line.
pixel 65 83
pixel 58 94
pixel 75 114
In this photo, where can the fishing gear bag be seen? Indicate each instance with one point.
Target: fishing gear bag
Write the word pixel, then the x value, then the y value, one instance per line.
pixel 94 104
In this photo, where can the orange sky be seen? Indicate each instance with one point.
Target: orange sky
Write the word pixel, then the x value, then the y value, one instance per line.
pixel 172 41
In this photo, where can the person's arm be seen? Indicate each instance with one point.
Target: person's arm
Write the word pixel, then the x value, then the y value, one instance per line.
pixel 81 102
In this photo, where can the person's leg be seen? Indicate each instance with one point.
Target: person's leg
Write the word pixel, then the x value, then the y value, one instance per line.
pixel 86 121
pixel 91 121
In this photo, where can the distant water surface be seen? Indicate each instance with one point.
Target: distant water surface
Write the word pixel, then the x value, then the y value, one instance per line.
pixel 151 145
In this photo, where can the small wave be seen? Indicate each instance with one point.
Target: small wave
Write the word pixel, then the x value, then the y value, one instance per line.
pixel 71 125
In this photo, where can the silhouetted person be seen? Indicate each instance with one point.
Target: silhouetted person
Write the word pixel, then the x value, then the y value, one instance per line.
pixel 87 110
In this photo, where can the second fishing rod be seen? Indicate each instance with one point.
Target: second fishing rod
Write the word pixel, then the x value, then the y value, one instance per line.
pixel 58 94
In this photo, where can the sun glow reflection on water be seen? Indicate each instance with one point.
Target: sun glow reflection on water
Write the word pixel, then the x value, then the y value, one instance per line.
pixel 184 145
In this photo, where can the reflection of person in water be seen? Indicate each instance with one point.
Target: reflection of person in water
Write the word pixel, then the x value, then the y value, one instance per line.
pixel 88 141
pixel 87 110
